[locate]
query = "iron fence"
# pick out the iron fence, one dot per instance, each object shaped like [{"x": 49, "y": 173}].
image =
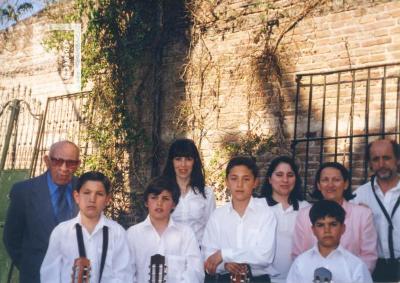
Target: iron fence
[{"x": 338, "y": 113}]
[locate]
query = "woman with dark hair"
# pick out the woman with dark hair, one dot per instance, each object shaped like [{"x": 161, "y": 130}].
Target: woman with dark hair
[
  {"x": 332, "y": 182},
  {"x": 196, "y": 201},
  {"x": 282, "y": 190}
]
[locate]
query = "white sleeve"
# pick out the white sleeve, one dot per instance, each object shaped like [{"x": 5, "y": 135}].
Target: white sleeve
[
  {"x": 210, "y": 204},
  {"x": 50, "y": 271},
  {"x": 264, "y": 251},
  {"x": 194, "y": 271},
  {"x": 293, "y": 275},
  {"x": 210, "y": 243},
  {"x": 361, "y": 274},
  {"x": 122, "y": 264},
  {"x": 131, "y": 242}
]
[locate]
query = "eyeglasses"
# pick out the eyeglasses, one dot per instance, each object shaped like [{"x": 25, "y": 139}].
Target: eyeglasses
[{"x": 68, "y": 163}]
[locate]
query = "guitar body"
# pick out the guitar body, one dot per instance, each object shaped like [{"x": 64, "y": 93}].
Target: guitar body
[
  {"x": 81, "y": 270},
  {"x": 158, "y": 269}
]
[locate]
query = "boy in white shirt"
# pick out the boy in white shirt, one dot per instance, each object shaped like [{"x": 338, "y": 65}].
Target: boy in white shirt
[
  {"x": 327, "y": 218},
  {"x": 240, "y": 236},
  {"x": 104, "y": 240},
  {"x": 159, "y": 234}
]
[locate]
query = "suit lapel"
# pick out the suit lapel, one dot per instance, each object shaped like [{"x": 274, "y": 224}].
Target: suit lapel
[{"x": 41, "y": 199}]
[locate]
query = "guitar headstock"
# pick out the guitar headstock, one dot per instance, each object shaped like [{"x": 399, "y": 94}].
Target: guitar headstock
[
  {"x": 241, "y": 277},
  {"x": 322, "y": 275},
  {"x": 81, "y": 270},
  {"x": 158, "y": 269}
]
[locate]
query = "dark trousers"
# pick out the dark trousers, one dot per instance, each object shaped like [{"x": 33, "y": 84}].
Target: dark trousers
[
  {"x": 387, "y": 270},
  {"x": 225, "y": 278}
]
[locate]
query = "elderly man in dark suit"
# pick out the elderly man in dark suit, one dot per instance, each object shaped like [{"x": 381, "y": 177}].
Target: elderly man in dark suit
[{"x": 37, "y": 206}]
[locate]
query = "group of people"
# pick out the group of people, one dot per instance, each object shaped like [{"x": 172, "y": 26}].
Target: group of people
[{"x": 277, "y": 236}]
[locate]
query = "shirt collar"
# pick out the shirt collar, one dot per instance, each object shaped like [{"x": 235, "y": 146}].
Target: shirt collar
[
  {"x": 98, "y": 226},
  {"x": 250, "y": 206},
  {"x": 315, "y": 250},
  {"x": 345, "y": 205},
  {"x": 53, "y": 186},
  {"x": 378, "y": 188},
  {"x": 171, "y": 223}
]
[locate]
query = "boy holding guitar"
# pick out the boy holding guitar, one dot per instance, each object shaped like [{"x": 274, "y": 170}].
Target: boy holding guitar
[
  {"x": 240, "y": 236},
  {"x": 90, "y": 238},
  {"x": 159, "y": 237}
]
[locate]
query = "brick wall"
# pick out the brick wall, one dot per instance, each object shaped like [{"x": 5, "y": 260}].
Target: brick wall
[
  {"x": 232, "y": 89},
  {"x": 225, "y": 75}
]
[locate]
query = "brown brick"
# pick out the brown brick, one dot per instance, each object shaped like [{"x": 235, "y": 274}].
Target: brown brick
[{"x": 378, "y": 41}]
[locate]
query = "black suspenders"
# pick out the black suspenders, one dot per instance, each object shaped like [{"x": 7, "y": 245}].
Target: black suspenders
[
  {"x": 388, "y": 218},
  {"x": 81, "y": 246}
]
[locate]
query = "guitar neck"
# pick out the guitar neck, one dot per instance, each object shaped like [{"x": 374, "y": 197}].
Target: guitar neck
[{"x": 81, "y": 270}]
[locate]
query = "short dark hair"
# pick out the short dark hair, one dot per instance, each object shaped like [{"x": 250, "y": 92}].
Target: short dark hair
[
  {"x": 324, "y": 208},
  {"x": 295, "y": 195},
  {"x": 160, "y": 184},
  {"x": 395, "y": 147},
  {"x": 94, "y": 176},
  {"x": 347, "y": 194},
  {"x": 247, "y": 161},
  {"x": 186, "y": 148}
]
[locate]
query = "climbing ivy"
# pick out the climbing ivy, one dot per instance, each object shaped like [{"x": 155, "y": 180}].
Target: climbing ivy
[{"x": 117, "y": 36}]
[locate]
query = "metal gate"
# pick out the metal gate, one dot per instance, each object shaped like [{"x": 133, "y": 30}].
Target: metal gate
[
  {"x": 20, "y": 121},
  {"x": 338, "y": 113},
  {"x": 26, "y": 134}
]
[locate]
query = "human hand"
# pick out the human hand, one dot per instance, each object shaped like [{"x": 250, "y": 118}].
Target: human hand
[
  {"x": 235, "y": 268},
  {"x": 212, "y": 262}
]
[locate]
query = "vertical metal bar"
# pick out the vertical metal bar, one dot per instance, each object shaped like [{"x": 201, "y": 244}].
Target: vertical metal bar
[
  {"x": 353, "y": 93},
  {"x": 13, "y": 118},
  {"x": 367, "y": 97},
  {"x": 321, "y": 149},
  {"x": 36, "y": 146},
  {"x": 337, "y": 116},
  {"x": 398, "y": 111},
  {"x": 308, "y": 132},
  {"x": 296, "y": 113},
  {"x": 383, "y": 97},
  {"x": 39, "y": 140}
]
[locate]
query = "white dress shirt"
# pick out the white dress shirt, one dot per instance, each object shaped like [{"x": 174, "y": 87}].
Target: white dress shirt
[
  {"x": 194, "y": 210},
  {"x": 286, "y": 220},
  {"x": 177, "y": 243},
  {"x": 345, "y": 267},
  {"x": 63, "y": 250},
  {"x": 248, "y": 239},
  {"x": 365, "y": 195}
]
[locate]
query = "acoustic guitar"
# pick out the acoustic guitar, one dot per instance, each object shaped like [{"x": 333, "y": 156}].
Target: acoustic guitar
[
  {"x": 81, "y": 270},
  {"x": 158, "y": 269}
]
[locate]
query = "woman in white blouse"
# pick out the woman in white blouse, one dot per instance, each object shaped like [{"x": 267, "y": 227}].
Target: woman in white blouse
[
  {"x": 196, "y": 201},
  {"x": 282, "y": 191}
]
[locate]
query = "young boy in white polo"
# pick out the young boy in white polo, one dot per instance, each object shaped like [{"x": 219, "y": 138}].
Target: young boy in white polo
[{"x": 327, "y": 218}]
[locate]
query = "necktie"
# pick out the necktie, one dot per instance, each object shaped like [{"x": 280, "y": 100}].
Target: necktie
[{"x": 64, "y": 212}]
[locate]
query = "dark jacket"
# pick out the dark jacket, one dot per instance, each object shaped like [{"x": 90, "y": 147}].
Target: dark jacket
[{"x": 29, "y": 223}]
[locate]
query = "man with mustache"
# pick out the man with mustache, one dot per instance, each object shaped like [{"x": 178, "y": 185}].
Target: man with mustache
[{"x": 382, "y": 195}]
